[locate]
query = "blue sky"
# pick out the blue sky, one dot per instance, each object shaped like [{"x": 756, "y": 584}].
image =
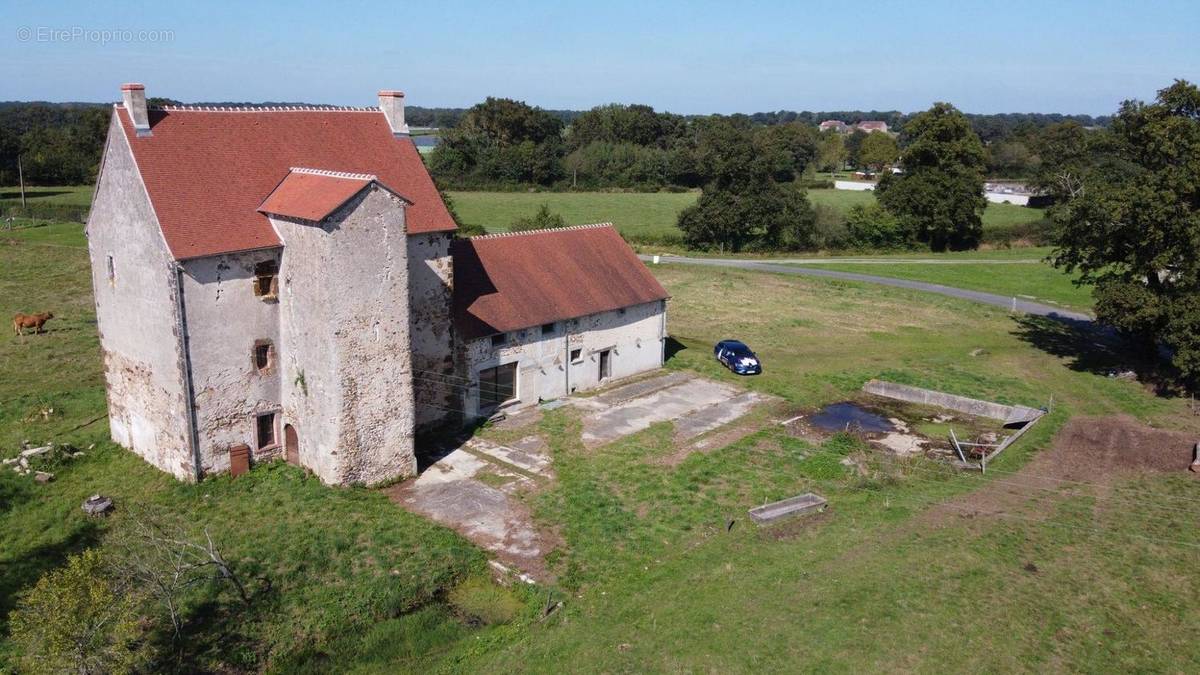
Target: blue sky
[{"x": 687, "y": 57}]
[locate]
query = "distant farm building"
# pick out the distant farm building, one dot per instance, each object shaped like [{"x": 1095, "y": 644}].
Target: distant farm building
[{"x": 871, "y": 126}]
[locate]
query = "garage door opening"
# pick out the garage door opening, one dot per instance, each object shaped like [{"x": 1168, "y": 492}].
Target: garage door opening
[{"x": 497, "y": 386}]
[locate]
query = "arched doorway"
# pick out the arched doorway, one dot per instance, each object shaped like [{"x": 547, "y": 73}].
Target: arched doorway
[{"x": 291, "y": 445}]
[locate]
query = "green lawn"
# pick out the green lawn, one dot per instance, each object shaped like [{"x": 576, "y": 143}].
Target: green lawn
[
  {"x": 652, "y": 574},
  {"x": 654, "y": 214},
  {"x": 634, "y": 213},
  {"x": 342, "y": 577},
  {"x": 1032, "y": 281},
  {"x": 662, "y": 583},
  {"x": 71, "y": 195}
]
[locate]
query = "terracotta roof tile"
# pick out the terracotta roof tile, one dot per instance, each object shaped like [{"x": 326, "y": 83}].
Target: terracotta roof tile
[
  {"x": 207, "y": 170},
  {"x": 312, "y": 194},
  {"x": 508, "y": 282}
]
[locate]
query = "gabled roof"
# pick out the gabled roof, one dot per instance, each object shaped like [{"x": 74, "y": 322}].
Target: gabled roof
[
  {"x": 312, "y": 194},
  {"x": 207, "y": 170},
  {"x": 506, "y": 282}
]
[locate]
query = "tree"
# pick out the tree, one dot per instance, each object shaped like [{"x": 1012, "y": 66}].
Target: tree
[
  {"x": 878, "y": 150},
  {"x": 939, "y": 196},
  {"x": 158, "y": 557},
  {"x": 853, "y": 145},
  {"x": 788, "y": 148},
  {"x": 740, "y": 205},
  {"x": 1130, "y": 221},
  {"x": 543, "y": 219},
  {"x": 79, "y": 618},
  {"x": 831, "y": 153}
]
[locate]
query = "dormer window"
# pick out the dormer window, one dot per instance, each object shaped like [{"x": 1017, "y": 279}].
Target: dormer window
[{"x": 266, "y": 280}]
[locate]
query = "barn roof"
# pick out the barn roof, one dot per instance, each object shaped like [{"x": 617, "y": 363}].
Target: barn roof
[
  {"x": 208, "y": 170},
  {"x": 312, "y": 194},
  {"x": 506, "y": 282}
]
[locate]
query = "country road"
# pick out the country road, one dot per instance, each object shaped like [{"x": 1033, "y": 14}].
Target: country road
[{"x": 781, "y": 267}]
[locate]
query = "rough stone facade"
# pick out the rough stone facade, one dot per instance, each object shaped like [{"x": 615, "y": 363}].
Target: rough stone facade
[
  {"x": 225, "y": 320},
  {"x": 138, "y": 318},
  {"x": 431, "y": 286},
  {"x": 344, "y": 341},
  {"x": 633, "y": 337}
]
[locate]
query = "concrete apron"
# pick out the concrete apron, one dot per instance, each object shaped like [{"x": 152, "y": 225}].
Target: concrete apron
[{"x": 449, "y": 492}]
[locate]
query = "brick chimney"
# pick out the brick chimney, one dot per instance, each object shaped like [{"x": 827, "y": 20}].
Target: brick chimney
[
  {"x": 134, "y": 97},
  {"x": 392, "y": 104}
]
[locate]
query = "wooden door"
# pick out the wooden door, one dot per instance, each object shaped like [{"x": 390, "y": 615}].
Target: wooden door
[{"x": 291, "y": 445}]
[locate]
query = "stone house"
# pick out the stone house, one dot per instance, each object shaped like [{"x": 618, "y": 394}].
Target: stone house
[{"x": 279, "y": 281}]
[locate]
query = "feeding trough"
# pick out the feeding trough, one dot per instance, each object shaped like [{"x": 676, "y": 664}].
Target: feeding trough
[{"x": 792, "y": 506}]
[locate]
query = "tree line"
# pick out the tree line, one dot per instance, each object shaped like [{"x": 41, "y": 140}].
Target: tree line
[{"x": 613, "y": 146}]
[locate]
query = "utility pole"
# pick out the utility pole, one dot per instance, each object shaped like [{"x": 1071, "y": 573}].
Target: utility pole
[{"x": 21, "y": 180}]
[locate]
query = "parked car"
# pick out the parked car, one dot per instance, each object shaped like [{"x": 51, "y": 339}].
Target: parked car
[{"x": 736, "y": 356}]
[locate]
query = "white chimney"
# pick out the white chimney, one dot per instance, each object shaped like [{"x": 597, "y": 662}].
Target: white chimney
[
  {"x": 134, "y": 97},
  {"x": 392, "y": 104}
]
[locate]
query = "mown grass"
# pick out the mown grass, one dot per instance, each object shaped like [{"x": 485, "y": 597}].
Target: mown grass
[
  {"x": 662, "y": 582},
  {"x": 639, "y": 214},
  {"x": 71, "y": 195},
  {"x": 655, "y": 578},
  {"x": 1035, "y": 281},
  {"x": 342, "y": 578}
]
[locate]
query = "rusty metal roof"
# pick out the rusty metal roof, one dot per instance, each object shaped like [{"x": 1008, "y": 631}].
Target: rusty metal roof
[
  {"x": 207, "y": 170},
  {"x": 506, "y": 282}
]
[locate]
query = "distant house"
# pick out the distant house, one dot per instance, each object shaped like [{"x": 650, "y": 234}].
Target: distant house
[
  {"x": 871, "y": 126},
  {"x": 837, "y": 125}
]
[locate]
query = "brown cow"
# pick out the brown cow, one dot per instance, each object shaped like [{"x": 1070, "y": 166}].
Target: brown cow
[{"x": 34, "y": 321}]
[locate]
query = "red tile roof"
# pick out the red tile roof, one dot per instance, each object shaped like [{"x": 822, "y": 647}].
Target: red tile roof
[
  {"x": 312, "y": 194},
  {"x": 207, "y": 170},
  {"x": 506, "y": 282}
]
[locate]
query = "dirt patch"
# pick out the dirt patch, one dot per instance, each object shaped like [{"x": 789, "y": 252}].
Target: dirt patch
[{"x": 1086, "y": 456}]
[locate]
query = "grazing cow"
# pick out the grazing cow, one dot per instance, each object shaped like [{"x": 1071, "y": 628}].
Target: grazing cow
[{"x": 34, "y": 321}]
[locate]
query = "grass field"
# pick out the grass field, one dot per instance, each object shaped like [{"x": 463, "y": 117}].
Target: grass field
[
  {"x": 652, "y": 575},
  {"x": 353, "y": 579},
  {"x": 1034, "y": 280},
  {"x": 71, "y": 195},
  {"x": 654, "y": 214}
]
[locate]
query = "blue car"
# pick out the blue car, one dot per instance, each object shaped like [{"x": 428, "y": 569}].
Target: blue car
[{"x": 736, "y": 356}]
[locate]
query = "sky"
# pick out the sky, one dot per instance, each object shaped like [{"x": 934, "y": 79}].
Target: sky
[{"x": 687, "y": 57}]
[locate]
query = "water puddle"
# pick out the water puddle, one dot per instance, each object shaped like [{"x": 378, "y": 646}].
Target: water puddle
[{"x": 850, "y": 416}]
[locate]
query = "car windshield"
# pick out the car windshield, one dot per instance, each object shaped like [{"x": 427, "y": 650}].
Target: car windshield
[{"x": 739, "y": 349}]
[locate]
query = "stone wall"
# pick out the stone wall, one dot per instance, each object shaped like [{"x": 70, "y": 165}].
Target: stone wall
[
  {"x": 545, "y": 370},
  {"x": 346, "y": 379},
  {"x": 431, "y": 283},
  {"x": 137, "y": 316},
  {"x": 225, "y": 319}
]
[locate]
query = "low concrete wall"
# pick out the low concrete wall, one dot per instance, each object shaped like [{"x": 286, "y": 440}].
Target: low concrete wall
[
  {"x": 852, "y": 185},
  {"x": 1002, "y": 197},
  {"x": 970, "y": 406}
]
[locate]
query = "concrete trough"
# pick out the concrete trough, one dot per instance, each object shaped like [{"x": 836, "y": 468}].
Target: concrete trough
[{"x": 793, "y": 506}]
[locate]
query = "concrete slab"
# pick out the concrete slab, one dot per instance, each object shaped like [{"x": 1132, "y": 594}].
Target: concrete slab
[
  {"x": 450, "y": 492},
  {"x": 528, "y": 454},
  {"x": 665, "y": 404},
  {"x": 706, "y": 419},
  {"x": 641, "y": 388}
]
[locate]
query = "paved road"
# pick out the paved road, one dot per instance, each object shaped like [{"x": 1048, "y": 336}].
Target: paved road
[{"x": 1004, "y": 301}]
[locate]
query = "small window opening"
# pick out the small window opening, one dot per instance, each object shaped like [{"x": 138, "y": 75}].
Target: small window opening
[
  {"x": 266, "y": 280},
  {"x": 621, "y": 312},
  {"x": 266, "y": 430},
  {"x": 548, "y": 328},
  {"x": 499, "y": 339},
  {"x": 112, "y": 271},
  {"x": 264, "y": 355},
  {"x": 576, "y": 355}
]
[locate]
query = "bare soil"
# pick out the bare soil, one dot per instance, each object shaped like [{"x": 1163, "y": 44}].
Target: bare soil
[{"x": 1087, "y": 455}]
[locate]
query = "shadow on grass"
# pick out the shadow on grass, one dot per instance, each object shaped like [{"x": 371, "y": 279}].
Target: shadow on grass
[
  {"x": 1092, "y": 348},
  {"x": 673, "y": 347},
  {"x": 21, "y": 573}
]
